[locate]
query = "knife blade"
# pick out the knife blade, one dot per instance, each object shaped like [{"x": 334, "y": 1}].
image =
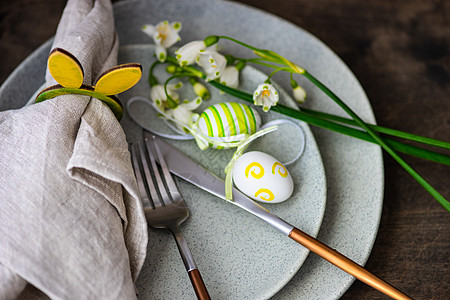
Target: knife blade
[{"x": 188, "y": 169}]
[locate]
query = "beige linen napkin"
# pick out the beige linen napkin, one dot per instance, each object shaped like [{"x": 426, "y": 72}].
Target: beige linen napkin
[{"x": 71, "y": 223}]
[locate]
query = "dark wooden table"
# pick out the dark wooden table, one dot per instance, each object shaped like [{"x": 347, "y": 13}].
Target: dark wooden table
[{"x": 400, "y": 52}]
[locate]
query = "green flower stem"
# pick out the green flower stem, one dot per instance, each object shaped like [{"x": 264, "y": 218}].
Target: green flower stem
[
  {"x": 194, "y": 72},
  {"x": 311, "y": 119},
  {"x": 278, "y": 70},
  {"x": 379, "y": 140},
  {"x": 381, "y": 129},
  {"x": 322, "y": 122},
  {"x": 357, "y": 133},
  {"x": 172, "y": 60},
  {"x": 259, "y": 61},
  {"x": 151, "y": 78},
  {"x": 239, "y": 42},
  {"x": 170, "y": 101},
  {"x": 187, "y": 70}
]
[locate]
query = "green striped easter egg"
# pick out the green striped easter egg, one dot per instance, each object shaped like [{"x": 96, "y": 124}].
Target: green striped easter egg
[{"x": 228, "y": 119}]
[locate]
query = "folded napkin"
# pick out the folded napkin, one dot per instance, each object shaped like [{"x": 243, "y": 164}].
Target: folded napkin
[{"x": 71, "y": 224}]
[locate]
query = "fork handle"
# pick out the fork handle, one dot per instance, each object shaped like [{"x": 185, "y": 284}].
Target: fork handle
[
  {"x": 345, "y": 264},
  {"x": 189, "y": 263},
  {"x": 198, "y": 284}
]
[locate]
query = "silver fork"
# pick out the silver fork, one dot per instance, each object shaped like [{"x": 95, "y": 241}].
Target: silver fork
[{"x": 163, "y": 205}]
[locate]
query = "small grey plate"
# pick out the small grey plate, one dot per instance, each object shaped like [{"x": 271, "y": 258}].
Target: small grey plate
[{"x": 239, "y": 256}]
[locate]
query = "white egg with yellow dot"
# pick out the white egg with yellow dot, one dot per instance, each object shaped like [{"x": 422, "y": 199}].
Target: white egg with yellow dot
[{"x": 262, "y": 177}]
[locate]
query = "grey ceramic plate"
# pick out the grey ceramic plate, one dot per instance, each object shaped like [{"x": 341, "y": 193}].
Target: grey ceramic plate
[
  {"x": 239, "y": 256},
  {"x": 354, "y": 169}
]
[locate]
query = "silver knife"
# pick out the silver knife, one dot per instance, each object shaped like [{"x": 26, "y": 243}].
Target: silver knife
[{"x": 191, "y": 171}]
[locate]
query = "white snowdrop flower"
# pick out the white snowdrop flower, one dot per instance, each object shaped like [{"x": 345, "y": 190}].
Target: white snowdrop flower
[
  {"x": 213, "y": 64},
  {"x": 266, "y": 96},
  {"x": 189, "y": 53},
  {"x": 164, "y": 35},
  {"x": 183, "y": 112},
  {"x": 159, "y": 97}
]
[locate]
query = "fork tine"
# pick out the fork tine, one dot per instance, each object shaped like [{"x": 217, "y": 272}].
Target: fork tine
[
  {"x": 148, "y": 177},
  {"x": 138, "y": 174},
  {"x": 176, "y": 196},
  {"x": 160, "y": 184}
]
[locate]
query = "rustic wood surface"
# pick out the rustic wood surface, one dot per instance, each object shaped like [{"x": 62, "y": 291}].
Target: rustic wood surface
[{"x": 400, "y": 52}]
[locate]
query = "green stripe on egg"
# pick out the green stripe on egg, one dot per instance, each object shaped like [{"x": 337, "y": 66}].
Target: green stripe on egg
[
  {"x": 231, "y": 124},
  {"x": 218, "y": 119},
  {"x": 251, "y": 118},
  {"x": 240, "y": 116}
]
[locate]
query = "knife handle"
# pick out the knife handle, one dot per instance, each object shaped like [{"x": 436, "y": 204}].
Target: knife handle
[
  {"x": 198, "y": 284},
  {"x": 345, "y": 263}
]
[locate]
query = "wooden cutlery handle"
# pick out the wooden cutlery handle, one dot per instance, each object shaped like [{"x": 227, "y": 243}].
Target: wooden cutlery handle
[
  {"x": 198, "y": 284},
  {"x": 345, "y": 264}
]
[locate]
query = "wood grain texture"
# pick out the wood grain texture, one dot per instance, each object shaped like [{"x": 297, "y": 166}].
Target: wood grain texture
[{"x": 400, "y": 52}]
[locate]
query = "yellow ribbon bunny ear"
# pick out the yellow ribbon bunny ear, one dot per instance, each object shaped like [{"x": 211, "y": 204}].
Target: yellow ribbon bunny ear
[
  {"x": 65, "y": 68},
  {"x": 118, "y": 79}
]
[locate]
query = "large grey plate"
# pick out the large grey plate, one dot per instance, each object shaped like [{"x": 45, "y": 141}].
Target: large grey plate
[{"x": 354, "y": 169}]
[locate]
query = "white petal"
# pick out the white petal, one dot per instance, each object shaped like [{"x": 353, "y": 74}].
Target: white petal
[
  {"x": 171, "y": 39},
  {"x": 191, "y": 105},
  {"x": 176, "y": 26},
  {"x": 181, "y": 115},
  {"x": 157, "y": 38},
  {"x": 148, "y": 29},
  {"x": 188, "y": 53},
  {"x": 158, "y": 96},
  {"x": 230, "y": 77},
  {"x": 157, "y": 93},
  {"x": 161, "y": 53}
]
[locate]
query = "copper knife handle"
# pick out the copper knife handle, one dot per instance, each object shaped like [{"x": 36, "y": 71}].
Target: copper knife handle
[
  {"x": 345, "y": 264},
  {"x": 198, "y": 284}
]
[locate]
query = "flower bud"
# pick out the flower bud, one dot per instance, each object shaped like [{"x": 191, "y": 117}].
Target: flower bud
[
  {"x": 171, "y": 69},
  {"x": 299, "y": 94},
  {"x": 211, "y": 40},
  {"x": 201, "y": 90}
]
